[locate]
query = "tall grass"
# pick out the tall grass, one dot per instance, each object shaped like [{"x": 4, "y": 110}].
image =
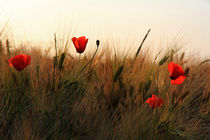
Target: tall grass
[{"x": 53, "y": 99}]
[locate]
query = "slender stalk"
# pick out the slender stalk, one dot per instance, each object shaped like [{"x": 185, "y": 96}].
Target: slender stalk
[
  {"x": 55, "y": 63},
  {"x": 8, "y": 47},
  {"x": 78, "y": 62},
  {"x": 1, "y": 47},
  {"x": 138, "y": 51},
  {"x": 157, "y": 79},
  {"x": 55, "y": 45},
  {"x": 92, "y": 59},
  {"x": 90, "y": 62}
]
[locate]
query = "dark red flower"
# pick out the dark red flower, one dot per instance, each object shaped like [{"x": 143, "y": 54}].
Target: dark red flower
[
  {"x": 177, "y": 74},
  {"x": 19, "y": 62},
  {"x": 154, "y": 101},
  {"x": 80, "y": 43}
]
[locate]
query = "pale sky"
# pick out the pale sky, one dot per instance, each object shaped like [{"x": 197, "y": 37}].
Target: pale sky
[{"x": 124, "y": 21}]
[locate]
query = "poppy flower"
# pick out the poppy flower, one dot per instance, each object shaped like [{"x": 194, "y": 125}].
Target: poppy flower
[
  {"x": 154, "y": 101},
  {"x": 80, "y": 43},
  {"x": 177, "y": 74},
  {"x": 19, "y": 62}
]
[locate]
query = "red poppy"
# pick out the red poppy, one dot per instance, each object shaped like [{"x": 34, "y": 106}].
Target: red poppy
[
  {"x": 80, "y": 43},
  {"x": 19, "y": 62},
  {"x": 177, "y": 74},
  {"x": 154, "y": 101}
]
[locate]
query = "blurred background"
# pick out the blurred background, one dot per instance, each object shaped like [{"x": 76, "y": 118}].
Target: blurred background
[{"x": 124, "y": 22}]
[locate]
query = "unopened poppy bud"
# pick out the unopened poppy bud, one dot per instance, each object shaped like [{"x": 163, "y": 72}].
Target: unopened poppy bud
[{"x": 97, "y": 42}]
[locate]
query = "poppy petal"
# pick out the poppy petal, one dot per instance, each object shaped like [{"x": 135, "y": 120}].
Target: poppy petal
[
  {"x": 10, "y": 62},
  {"x": 172, "y": 67},
  {"x": 178, "y": 69},
  {"x": 148, "y": 100},
  {"x": 154, "y": 101},
  {"x": 160, "y": 101},
  {"x": 179, "y": 80},
  {"x": 19, "y": 62},
  {"x": 154, "y": 96},
  {"x": 177, "y": 74},
  {"x": 28, "y": 60},
  {"x": 80, "y": 43},
  {"x": 74, "y": 39}
]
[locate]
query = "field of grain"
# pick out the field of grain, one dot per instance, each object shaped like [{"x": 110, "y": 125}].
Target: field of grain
[{"x": 102, "y": 96}]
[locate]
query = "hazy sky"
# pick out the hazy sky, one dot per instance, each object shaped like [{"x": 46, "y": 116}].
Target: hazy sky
[{"x": 123, "y": 20}]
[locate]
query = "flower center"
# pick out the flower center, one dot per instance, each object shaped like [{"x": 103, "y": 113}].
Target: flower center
[{"x": 172, "y": 77}]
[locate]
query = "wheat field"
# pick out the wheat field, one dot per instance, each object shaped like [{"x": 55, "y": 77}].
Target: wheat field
[{"x": 102, "y": 96}]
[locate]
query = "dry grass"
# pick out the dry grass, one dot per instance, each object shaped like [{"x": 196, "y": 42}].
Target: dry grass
[{"x": 105, "y": 101}]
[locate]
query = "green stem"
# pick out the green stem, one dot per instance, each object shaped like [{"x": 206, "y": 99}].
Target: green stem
[
  {"x": 90, "y": 62},
  {"x": 92, "y": 59},
  {"x": 78, "y": 62}
]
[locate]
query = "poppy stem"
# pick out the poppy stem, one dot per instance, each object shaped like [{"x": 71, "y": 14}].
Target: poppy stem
[
  {"x": 155, "y": 122},
  {"x": 92, "y": 59},
  {"x": 78, "y": 62},
  {"x": 37, "y": 73},
  {"x": 90, "y": 62},
  {"x": 79, "y": 57}
]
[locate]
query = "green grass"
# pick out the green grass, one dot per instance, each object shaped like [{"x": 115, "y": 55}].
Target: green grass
[{"x": 102, "y": 98}]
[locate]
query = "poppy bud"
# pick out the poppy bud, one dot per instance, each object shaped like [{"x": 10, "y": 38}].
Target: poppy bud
[{"x": 97, "y": 43}]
